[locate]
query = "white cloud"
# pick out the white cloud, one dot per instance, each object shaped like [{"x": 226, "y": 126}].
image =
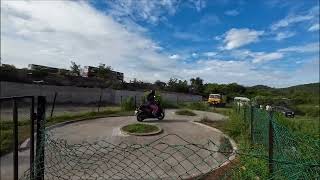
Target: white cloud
[
  {"x": 307, "y": 48},
  {"x": 32, "y": 33},
  {"x": 145, "y": 10},
  {"x": 151, "y": 11},
  {"x": 210, "y": 54},
  {"x": 290, "y": 20},
  {"x": 265, "y": 57},
  {"x": 198, "y": 4},
  {"x": 314, "y": 27},
  {"x": 232, "y": 12},
  {"x": 235, "y": 38},
  {"x": 223, "y": 71},
  {"x": 256, "y": 57},
  {"x": 175, "y": 56},
  {"x": 194, "y": 55},
  {"x": 284, "y": 35},
  {"x": 78, "y": 32},
  {"x": 312, "y": 14}
]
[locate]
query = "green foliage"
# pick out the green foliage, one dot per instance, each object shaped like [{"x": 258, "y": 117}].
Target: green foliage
[
  {"x": 128, "y": 104},
  {"x": 140, "y": 128},
  {"x": 103, "y": 71},
  {"x": 310, "y": 110},
  {"x": 40, "y": 73},
  {"x": 64, "y": 72},
  {"x": 185, "y": 112},
  {"x": 160, "y": 85},
  {"x": 8, "y": 68},
  {"x": 196, "y": 85},
  {"x": 301, "y": 124},
  {"x": 177, "y": 85},
  {"x": 75, "y": 68}
]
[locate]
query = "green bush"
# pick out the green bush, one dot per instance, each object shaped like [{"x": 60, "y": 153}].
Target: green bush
[{"x": 128, "y": 104}]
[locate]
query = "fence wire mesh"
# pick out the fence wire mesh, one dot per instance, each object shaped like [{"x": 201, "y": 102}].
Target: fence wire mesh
[
  {"x": 104, "y": 160},
  {"x": 293, "y": 155}
]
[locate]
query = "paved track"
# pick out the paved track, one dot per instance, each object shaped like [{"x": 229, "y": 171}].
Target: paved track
[{"x": 108, "y": 130}]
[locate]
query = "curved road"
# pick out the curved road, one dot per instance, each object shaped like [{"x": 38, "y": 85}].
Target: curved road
[{"x": 176, "y": 130}]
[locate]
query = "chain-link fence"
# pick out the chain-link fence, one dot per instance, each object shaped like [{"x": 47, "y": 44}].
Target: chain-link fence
[
  {"x": 104, "y": 160},
  {"x": 290, "y": 155}
]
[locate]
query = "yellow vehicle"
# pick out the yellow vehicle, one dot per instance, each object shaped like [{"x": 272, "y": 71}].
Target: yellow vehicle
[{"x": 217, "y": 100}]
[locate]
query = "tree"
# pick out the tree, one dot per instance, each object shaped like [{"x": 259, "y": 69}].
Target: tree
[
  {"x": 159, "y": 84},
  {"x": 8, "y": 68},
  {"x": 104, "y": 71},
  {"x": 75, "y": 68},
  {"x": 197, "y": 85},
  {"x": 177, "y": 85}
]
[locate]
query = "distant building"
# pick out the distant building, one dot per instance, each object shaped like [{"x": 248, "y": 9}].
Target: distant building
[
  {"x": 51, "y": 70},
  {"x": 48, "y": 69},
  {"x": 91, "y": 71}
]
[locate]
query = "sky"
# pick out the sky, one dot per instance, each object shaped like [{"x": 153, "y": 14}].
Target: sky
[{"x": 250, "y": 42}]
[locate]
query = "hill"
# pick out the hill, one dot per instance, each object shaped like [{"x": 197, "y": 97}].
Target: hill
[{"x": 312, "y": 88}]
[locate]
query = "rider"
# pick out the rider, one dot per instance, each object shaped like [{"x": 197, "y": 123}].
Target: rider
[{"x": 151, "y": 102}]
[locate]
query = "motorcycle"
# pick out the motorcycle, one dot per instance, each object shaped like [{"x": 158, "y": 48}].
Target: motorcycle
[{"x": 144, "y": 112}]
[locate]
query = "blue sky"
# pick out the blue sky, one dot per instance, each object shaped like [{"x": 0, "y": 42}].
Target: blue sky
[{"x": 274, "y": 42}]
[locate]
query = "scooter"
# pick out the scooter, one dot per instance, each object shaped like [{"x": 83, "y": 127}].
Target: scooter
[{"x": 144, "y": 112}]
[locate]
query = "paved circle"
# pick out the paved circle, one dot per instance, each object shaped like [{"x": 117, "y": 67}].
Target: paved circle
[{"x": 109, "y": 129}]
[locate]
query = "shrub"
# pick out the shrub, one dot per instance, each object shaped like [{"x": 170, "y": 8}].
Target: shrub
[{"x": 128, "y": 104}]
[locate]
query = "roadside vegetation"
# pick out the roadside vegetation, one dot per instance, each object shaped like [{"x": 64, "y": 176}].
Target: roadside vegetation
[
  {"x": 243, "y": 167},
  {"x": 185, "y": 112}
]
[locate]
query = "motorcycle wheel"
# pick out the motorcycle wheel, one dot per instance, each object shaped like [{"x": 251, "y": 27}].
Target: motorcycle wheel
[
  {"x": 161, "y": 116},
  {"x": 140, "y": 117}
]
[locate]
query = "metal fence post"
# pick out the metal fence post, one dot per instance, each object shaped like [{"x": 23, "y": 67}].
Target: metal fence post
[
  {"x": 15, "y": 140},
  {"x": 99, "y": 103},
  {"x": 120, "y": 100},
  {"x": 54, "y": 102},
  {"x": 270, "y": 145},
  {"x": 41, "y": 109},
  {"x": 32, "y": 118},
  {"x": 244, "y": 115},
  {"x": 251, "y": 123},
  {"x": 135, "y": 101}
]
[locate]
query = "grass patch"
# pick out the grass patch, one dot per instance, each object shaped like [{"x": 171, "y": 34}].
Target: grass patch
[
  {"x": 185, "y": 112},
  {"x": 201, "y": 106},
  {"x": 6, "y": 127},
  {"x": 222, "y": 110},
  {"x": 246, "y": 167},
  {"x": 303, "y": 125},
  {"x": 140, "y": 128}
]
